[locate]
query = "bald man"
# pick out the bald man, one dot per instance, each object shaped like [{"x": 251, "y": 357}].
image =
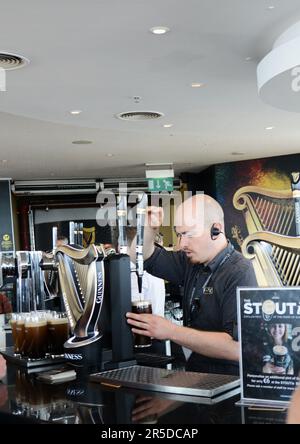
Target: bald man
[{"x": 210, "y": 270}]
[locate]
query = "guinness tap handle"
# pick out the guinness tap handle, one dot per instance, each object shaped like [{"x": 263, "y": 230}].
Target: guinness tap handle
[
  {"x": 140, "y": 228},
  {"x": 122, "y": 223},
  {"x": 296, "y": 197}
]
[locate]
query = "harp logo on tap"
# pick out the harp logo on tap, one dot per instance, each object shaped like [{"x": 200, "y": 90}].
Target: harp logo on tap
[{"x": 89, "y": 236}]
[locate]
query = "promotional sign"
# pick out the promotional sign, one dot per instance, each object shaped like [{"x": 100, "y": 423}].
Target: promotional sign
[
  {"x": 263, "y": 415},
  {"x": 269, "y": 335},
  {"x": 6, "y": 223}
]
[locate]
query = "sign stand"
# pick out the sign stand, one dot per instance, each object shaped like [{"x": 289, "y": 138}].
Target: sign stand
[{"x": 269, "y": 337}]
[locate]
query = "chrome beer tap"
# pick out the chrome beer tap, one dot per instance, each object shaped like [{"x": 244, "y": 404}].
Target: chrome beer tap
[
  {"x": 296, "y": 196},
  {"x": 140, "y": 228},
  {"x": 122, "y": 223}
]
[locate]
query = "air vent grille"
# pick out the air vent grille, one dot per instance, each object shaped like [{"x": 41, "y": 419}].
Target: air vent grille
[
  {"x": 139, "y": 115},
  {"x": 55, "y": 187},
  {"x": 12, "y": 61}
]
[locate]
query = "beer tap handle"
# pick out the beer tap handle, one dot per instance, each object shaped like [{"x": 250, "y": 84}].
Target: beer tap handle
[
  {"x": 122, "y": 222},
  {"x": 295, "y": 181},
  {"x": 140, "y": 228},
  {"x": 54, "y": 237},
  {"x": 71, "y": 233},
  {"x": 296, "y": 196}
]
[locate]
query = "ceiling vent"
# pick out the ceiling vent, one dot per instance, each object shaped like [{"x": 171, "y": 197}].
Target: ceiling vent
[
  {"x": 12, "y": 61},
  {"x": 139, "y": 115},
  {"x": 51, "y": 187}
]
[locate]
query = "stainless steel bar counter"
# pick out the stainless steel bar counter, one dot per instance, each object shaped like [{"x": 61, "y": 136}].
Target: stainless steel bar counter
[{"x": 25, "y": 399}]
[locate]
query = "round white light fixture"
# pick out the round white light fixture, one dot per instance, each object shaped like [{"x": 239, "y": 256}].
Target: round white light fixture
[
  {"x": 269, "y": 128},
  {"x": 278, "y": 74},
  {"x": 109, "y": 155},
  {"x": 75, "y": 112},
  {"x": 197, "y": 84},
  {"x": 168, "y": 125},
  {"x": 159, "y": 30}
]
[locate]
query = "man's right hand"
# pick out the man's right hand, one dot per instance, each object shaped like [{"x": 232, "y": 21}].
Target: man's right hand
[{"x": 155, "y": 217}]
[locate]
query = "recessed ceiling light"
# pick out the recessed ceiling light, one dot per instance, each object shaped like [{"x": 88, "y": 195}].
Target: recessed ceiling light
[
  {"x": 248, "y": 59},
  {"x": 134, "y": 116},
  {"x": 109, "y": 155},
  {"x": 269, "y": 128},
  {"x": 168, "y": 125},
  {"x": 159, "y": 30},
  {"x": 82, "y": 142},
  {"x": 75, "y": 112},
  {"x": 197, "y": 85},
  {"x": 271, "y": 7}
]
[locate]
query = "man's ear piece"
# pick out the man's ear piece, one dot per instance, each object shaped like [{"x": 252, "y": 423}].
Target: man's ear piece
[{"x": 214, "y": 231}]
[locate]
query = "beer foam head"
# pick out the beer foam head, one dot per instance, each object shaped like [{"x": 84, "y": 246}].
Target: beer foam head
[
  {"x": 58, "y": 321},
  {"x": 31, "y": 323},
  {"x": 141, "y": 304},
  {"x": 268, "y": 307},
  {"x": 280, "y": 350}
]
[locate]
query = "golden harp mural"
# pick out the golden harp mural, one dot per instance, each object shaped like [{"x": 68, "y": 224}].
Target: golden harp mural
[{"x": 273, "y": 222}]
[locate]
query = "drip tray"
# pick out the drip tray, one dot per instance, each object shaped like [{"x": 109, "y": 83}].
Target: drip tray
[
  {"x": 168, "y": 381},
  {"x": 9, "y": 355}
]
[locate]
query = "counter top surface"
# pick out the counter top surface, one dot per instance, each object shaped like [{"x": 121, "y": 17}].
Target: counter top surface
[{"x": 25, "y": 399}]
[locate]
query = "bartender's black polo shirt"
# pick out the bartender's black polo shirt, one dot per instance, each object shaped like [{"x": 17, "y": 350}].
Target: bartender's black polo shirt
[{"x": 212, "y": 308}]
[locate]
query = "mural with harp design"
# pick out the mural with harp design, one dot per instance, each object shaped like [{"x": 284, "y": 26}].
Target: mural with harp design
[
  {"x": 264, "y": 215},
  {"x": 272, "y": 218}
]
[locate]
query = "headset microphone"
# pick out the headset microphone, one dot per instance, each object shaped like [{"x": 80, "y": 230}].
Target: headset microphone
[{"x": 214, "y": 232}]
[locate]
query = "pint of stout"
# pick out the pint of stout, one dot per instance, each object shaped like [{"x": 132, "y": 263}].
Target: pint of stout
[
  {"x": 17, "y": 324},
  {"x": 19, "y": 335},
  {"x": 139, "y": 307},
  {"x": 13, "y": 324},
  {"x": 35, "y": 338},
  {"x": 280, "y": 353},
  {"x": 58, "y": 334}
]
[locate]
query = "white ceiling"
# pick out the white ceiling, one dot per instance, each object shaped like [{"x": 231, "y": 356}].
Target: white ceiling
[{"x": 96, "y": 55}]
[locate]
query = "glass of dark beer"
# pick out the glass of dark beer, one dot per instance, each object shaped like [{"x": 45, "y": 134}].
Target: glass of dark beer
[
  {"x": 58, "y": 333},
  {"x": 13, "y": 325},
  {"x": 20, "y": 333},
  {"x": 139, "y": 307},
  {"x": 35, "y": 337}
]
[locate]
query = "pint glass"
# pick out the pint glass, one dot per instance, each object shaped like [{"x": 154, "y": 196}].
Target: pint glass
[{"x": 139, "y": 307}]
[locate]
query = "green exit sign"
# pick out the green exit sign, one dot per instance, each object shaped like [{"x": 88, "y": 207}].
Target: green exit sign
[{"x": 161, "y": 184}]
